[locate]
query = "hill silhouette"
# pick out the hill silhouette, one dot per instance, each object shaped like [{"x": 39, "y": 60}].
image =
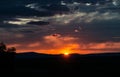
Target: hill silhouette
[
  {"x": 7, "y": 62},
  {"x": 74, "y": 64},
  {"x": 42, "y": 55}
]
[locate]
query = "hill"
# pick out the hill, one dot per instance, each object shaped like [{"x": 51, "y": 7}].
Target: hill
[{"x": 74, "y": 64}]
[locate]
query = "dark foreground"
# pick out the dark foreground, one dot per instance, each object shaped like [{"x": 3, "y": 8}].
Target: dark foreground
[
  {"x": 7, "y": 63},
  {"x": 59, "y": 65}
]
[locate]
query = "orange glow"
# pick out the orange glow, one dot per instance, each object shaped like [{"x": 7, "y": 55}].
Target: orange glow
[
  {"x": 66, "y": 53},
  {"x": 66, "y": 45}
]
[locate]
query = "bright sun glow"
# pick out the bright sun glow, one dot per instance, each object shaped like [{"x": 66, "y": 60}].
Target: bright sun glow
[{"x": 66, "y": 53}]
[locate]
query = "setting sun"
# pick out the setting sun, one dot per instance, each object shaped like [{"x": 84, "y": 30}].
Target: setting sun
[{"x": 66, "y": 53}]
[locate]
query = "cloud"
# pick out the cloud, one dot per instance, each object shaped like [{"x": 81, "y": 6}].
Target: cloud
[
  {"x": 20, "y": 21},
  {"x": 58, "y": 40},
  {"x": 60, "y": 44},
  {"x": 98, "y": 27},
  {"x": 81, "y": 17},
  {"x": 35, "y": 6},
  {"x": 50, "y": 44},
  {"x": 116, "y": 2},
  {"x": 106, "y": 47},
  {"x": 34, "y": 45},
  {"x": 38, "y": 23},
  {"x": 84, "y": 26}
]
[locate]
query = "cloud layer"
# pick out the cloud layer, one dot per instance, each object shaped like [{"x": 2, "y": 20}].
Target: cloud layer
[{"x": 75, "y": 27}]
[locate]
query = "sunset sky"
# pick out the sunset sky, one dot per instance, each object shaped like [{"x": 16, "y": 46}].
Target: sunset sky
[{"x": 61, "y": 26}]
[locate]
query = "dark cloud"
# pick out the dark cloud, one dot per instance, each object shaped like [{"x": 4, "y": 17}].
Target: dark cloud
[
  {"x": 16, "y": 8},
  {"x": 38, "y": 23},
  {"x": 23, "y": 11},
  {"x": 102, "y": 31}
]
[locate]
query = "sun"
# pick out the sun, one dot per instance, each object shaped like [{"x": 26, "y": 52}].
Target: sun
[{"x": 66, "y": 53}]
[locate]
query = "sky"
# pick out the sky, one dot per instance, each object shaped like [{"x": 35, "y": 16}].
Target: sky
[{"x": 60, "y": 26}]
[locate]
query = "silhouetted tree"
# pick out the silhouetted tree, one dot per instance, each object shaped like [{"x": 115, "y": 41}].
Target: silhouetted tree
[
  {"x": 6, "y": 52},
  {"x": 11, "y": 50},
  {"x": 7, "y": 56},
  {"x": 2, "y": 47}
]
